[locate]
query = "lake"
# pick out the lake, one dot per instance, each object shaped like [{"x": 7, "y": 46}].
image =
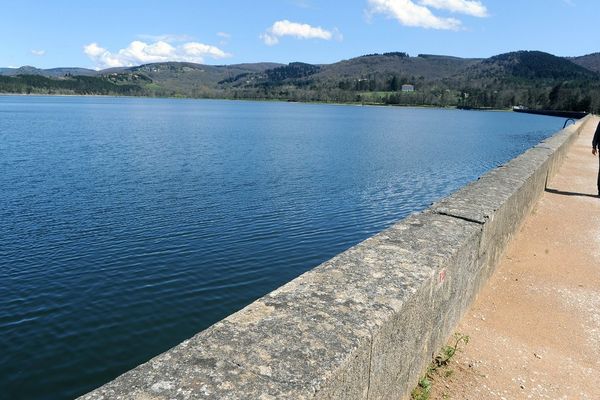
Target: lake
[{"x": 130, "y": 224}]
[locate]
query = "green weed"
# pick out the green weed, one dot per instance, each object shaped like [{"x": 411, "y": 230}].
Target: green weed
[{"x": 441, "y": 361}]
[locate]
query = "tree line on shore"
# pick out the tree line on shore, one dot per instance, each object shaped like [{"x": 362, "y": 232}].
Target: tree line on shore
[{"x": 532, "y": 79}]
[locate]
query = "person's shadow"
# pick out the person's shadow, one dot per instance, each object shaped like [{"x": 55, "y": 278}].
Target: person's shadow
[{"x": 563, "y": 193}]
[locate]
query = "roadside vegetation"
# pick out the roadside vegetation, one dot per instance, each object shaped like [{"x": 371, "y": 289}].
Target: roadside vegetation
[{"x": 439, "y": 367}]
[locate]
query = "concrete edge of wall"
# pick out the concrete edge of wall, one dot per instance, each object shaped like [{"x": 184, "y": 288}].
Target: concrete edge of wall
[{"x": 364, "y": 324}]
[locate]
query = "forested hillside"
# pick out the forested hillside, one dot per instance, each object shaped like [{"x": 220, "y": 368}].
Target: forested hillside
[
  {"x": 589, "y": 61},
  {"x": 528, "y": 78}
]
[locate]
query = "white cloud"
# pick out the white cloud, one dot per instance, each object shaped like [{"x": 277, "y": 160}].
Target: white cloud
[
  {"x": 200, "y": 50},
  {"x": 38, "y": 53},
  {"x": 139, "y": 52},
  {"x": 409, "y": 13},
  {"x": 469, "y": 7},
  {"x": 299, "y": 31}
]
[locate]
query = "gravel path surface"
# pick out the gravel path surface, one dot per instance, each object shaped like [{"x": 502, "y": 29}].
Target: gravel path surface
[{"x": 535, "y": 328}]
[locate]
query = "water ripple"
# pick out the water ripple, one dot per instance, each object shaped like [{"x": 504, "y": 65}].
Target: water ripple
[{"x": 129, "y": 225}]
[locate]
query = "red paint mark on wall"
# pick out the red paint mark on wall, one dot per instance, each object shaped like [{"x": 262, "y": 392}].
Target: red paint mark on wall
[{"x": 442, "y": 276}]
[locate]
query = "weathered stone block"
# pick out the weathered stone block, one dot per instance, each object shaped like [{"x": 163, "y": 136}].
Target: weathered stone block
[
  {"x": 364, "y": 324},
  {"x": 446, "y": 249}
]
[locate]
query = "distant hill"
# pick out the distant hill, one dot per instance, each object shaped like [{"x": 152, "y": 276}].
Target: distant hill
[
  {"x": 589, "y": 61},
  {"x": 531, "y": 78},
  {"x": 80, "y": 84},
  {"x": 167, "y": 68},
  {"x": 185, "y": 79},
  {"x": 427, "y": 66},
  {"x": 50, "y": 73},
  {"x": 533, "y": 65}
]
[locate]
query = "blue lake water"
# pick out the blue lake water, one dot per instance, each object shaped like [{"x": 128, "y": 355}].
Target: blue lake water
[{"x": 128, "y": 225}]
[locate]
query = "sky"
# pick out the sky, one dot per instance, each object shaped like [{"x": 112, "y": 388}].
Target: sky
[{"x": 108, "y": 33}]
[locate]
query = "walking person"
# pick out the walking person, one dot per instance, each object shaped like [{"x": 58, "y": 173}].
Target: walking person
[{"x": 595, "y": 148}]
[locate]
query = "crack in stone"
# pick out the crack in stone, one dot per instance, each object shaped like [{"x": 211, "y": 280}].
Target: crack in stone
[
  {"x": 543, "y": 147},
  {"x": 460, "y": 217}
]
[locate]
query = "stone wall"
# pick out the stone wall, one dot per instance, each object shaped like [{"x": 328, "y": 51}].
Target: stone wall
[{"x": 366, "y": 323}]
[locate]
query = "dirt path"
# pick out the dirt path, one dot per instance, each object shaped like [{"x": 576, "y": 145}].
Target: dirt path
[{"x": 535, "y": 328}]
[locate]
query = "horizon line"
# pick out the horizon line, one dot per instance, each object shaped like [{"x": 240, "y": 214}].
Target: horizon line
[{"x": 282, "y": 63}]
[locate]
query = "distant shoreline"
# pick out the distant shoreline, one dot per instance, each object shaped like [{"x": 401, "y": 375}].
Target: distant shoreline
[
  {"x": 355, "y": 104},
  {"x": 532, "y": 79}
]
